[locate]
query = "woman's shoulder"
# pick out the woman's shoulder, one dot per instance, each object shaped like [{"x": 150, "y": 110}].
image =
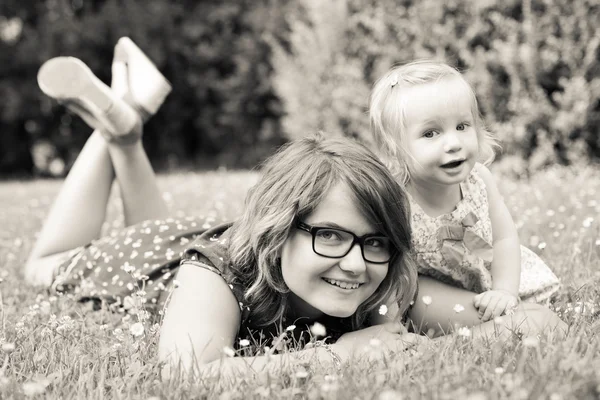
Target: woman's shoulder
[
  {"x": 210, "y": 246},
  {"x": 209, "y": 251}
]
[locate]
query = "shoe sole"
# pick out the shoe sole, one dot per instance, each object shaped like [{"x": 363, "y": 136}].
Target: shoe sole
[
  {"x": 68, "y": 78},
  {"x": 71, "y": 82}
]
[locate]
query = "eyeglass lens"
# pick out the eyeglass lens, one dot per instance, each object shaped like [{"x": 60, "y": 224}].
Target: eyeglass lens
[{"x": 330, "y": 242}]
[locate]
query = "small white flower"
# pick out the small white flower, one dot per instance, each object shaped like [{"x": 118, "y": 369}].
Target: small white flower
[
  {"x": 8, "y": 347},
  {"x": 499, "y": 370},
  {"x": 498, "y": 320},
  {"x": 383, "y": 309},
  {"x": 137, "y": 329},
  {"x": 228, "y": 351},
  {"x": 45, "y": 308},
  {"x": 318, "y": 330},
  {"x": 290, "y": 328},
  {"x": 426, "y": 300},
  {"x": 128, "y": 268},
  {"x": 531, "y": 341},
  {"x": 464, "y": 332},
  {"x": 458, "y": 308},
  {"x": 33, "y": 388},
  {"x": 301, "y": 374},
  {"x": 390, "y": 394},
  {"x": 244, "y": 342}
]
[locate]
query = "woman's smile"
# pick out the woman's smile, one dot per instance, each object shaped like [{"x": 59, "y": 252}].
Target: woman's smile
[{"x": 343, "y": 284}]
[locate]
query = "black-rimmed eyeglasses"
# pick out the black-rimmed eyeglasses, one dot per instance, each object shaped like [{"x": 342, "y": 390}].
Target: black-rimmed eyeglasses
[{"x": 337, "y": 243}]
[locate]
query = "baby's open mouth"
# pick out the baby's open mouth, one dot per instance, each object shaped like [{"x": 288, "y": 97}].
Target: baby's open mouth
[{"x": 453, "y": 164}]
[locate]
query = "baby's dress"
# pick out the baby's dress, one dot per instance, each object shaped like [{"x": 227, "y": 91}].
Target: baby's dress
[{"x": 456, "y": 248}]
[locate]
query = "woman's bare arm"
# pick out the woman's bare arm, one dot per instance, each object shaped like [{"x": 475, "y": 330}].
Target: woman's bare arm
[{"x": 203, "y": 318}]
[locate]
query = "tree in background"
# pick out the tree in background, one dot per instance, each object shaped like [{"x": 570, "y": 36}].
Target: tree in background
[
  {"x": 320, "y": 87},
  {"x": 223, "y": 110},
  {"x": 534, "y": 64},
  {"x": 248, "y": 75}
]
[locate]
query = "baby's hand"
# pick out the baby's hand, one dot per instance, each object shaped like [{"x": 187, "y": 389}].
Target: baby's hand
[{"x": 494, "y": 303}]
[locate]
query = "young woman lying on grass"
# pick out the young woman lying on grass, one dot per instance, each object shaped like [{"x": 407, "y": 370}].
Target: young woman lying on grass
[{"x": 321, "y": 243}]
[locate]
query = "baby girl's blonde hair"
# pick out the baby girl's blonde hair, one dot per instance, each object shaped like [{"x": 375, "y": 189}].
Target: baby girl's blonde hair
[{"x": 387, "y": 113}]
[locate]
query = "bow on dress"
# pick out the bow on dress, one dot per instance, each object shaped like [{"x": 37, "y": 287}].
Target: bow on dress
[{"x": 453, "y": 250}]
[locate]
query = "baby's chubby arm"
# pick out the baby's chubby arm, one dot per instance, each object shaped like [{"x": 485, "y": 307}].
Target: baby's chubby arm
[{"x": 506, "y": 264}]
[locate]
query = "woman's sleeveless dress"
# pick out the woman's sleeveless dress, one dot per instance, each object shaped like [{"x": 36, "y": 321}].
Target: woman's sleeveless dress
[
  {"x": 456, "y": 248},
  {"x": 136, "y": 269}
]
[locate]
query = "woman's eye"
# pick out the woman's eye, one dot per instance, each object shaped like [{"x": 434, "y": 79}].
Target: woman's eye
[
  {"x": 328, "y": 235},
  {"x": 376, "y": 243},
  {"x": 373, "y": 243}
]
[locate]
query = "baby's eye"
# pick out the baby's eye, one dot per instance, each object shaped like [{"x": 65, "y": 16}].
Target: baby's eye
[
  {"x": 429, "y": 134},
  {"x": 462, "y": 126}
]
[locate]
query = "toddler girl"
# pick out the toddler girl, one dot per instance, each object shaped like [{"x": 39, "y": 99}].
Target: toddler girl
[{"x": 427, "y": 126}]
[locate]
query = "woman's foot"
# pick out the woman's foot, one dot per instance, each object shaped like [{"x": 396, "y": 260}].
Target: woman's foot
[
  {"x": 73, "y": 84},
  {"x": 137, "y": 80}
]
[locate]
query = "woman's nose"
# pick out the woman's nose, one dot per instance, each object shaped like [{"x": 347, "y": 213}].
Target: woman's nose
[{"x": 353, "y": 262}]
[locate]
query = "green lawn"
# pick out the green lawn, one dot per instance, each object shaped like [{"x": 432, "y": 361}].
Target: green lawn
[{"x": 57, "y": 349}]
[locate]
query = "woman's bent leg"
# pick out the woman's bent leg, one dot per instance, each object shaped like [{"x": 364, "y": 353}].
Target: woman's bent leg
[
  {"x": 77, "y": 215},
  {"x": 142, "y": 199}
]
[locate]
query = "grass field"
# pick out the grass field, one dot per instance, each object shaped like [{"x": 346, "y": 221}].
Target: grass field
[{"x": 52, "y": 348}]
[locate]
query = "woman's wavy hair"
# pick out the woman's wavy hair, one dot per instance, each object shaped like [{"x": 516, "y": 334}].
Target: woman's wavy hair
[
  {"x": 293, "y": 183},
  {"x": 387, "y": 112}
]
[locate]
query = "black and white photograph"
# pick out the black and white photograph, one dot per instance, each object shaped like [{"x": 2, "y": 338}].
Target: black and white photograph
[{"x": 300, "y": 199}]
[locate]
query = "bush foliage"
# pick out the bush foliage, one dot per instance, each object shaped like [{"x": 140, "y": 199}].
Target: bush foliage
[{"x": 248, "y": 75}]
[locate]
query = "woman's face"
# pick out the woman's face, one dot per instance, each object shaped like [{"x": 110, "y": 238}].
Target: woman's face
[{"x": 333, "y": 286}]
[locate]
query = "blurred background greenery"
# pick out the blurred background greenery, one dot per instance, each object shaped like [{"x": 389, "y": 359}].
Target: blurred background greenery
[{"x": 248, "y": 75}]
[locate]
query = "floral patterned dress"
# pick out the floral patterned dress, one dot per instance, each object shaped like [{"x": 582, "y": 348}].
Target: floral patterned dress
[
  {"x": 135, "y": 270},
  {"x": 456, "y": 248}
]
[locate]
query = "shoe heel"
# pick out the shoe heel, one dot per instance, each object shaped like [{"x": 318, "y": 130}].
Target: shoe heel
[
  {"x": 71, "y": 82},
  {"x": 147, "y": 86}
]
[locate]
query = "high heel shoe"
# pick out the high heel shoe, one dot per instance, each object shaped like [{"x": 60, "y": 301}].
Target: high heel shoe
[
  {"x": 72, "y": 83},
  {"x": 137, "y": 80}
]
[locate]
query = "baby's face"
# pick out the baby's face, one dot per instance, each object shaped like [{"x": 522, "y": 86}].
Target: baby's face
[{"x": 440, "y": 136}]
